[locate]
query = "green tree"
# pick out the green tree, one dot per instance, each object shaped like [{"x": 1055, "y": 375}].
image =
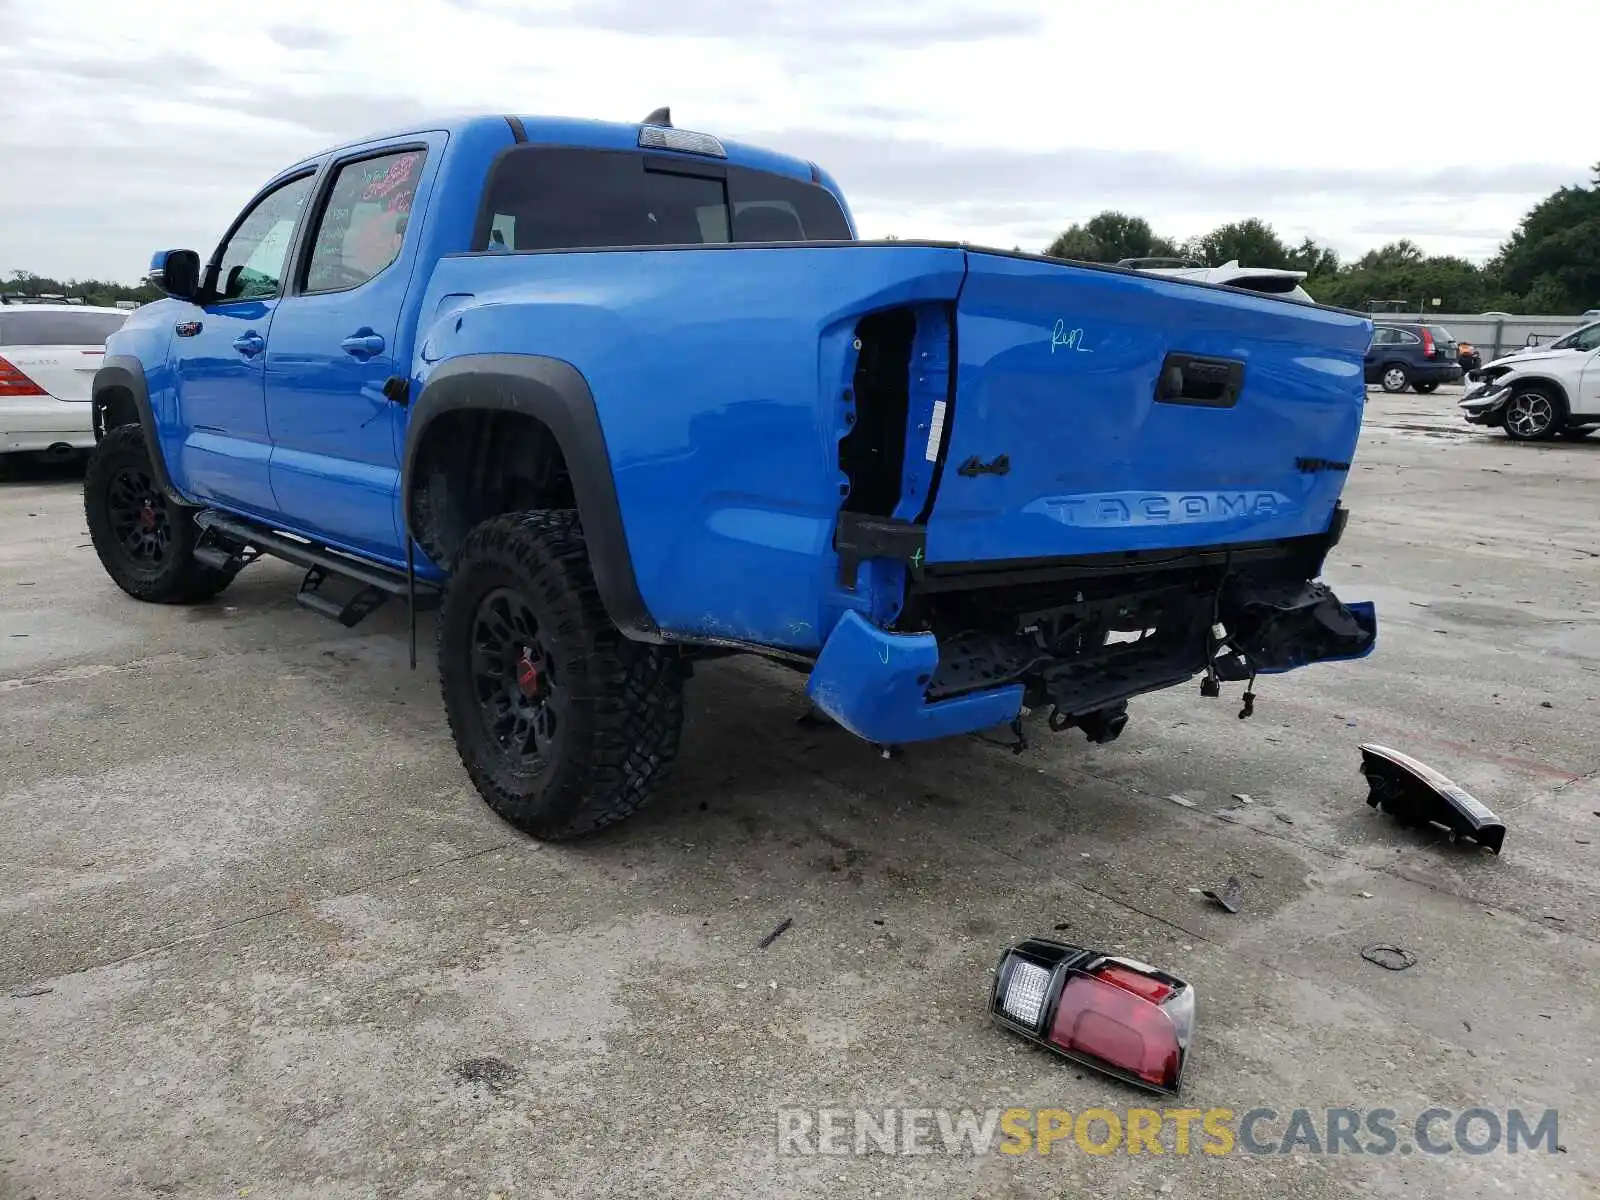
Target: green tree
[
  {"x": 1553, "y": 257},
  {"x": 1109, "y": 237},
  {"x": 1316, "y": 261},
  {"x": 1400, "y": 271},
  {"x": 103, "y": 292},
  {"x": 1250, "y": 243}
]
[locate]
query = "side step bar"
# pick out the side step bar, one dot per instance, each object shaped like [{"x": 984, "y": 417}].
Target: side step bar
[{"x": 228, "y": 543}]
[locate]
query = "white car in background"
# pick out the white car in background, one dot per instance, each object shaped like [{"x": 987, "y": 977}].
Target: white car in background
[
  {"x": 48, "y": 356},
  {"x": 1271, "y": 280},
  {"x": 1540, "y": 391}
]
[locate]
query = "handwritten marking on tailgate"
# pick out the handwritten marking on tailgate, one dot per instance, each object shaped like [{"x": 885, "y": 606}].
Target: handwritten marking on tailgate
[
  {"x": 1160, "y": 508},
  {"x": 1063, "y": 338}
]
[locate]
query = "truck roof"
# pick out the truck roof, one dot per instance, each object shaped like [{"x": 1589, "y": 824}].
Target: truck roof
[{"x": 581, "y": 132}]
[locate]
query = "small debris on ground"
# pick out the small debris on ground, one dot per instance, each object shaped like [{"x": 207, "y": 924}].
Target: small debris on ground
[
  {"x": 777, "y": 933},
  {"x": 1467, "y": 1025},
  {"x": 1230, "y": 895},
  {"x": 1390, "y": 958},
  {"x": 1364, "y": 895},
  {"x": 28, "y": 991},
  {"x": 1177, "y": 799},
  {"x": 1285, "y": 818},
  {"x": 1242, "y": 798},
  {"x": 492, "y": 1073},
  {"x": 1545, "y": 704}
]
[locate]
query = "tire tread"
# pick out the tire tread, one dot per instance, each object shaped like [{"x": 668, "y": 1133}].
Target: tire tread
[
  {"x": 187, "y": 581},
  {"x": 625, "y": 712}
]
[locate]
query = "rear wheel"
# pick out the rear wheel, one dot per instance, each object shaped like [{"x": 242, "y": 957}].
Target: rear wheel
[
  {"x": 1395, "y": 378},
  {"x": 564, "y": 726},
  {"x": 145, "y": 540},
  {"x": 1532, "y": 414},
  {"x": 1425, "y": 388}
]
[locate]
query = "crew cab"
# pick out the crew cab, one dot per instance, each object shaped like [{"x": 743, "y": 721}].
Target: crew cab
[
  {"x": 1540, "y": 392},
  {"x": 619, "y": 398}
]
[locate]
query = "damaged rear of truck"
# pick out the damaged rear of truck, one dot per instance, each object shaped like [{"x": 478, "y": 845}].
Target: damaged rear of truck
[
  {"x": 618, "y": 399},
  {"x": 951, "y": 485}
]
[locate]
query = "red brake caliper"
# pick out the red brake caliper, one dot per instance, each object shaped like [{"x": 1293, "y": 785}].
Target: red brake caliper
[{"x": 527, "y": 674}]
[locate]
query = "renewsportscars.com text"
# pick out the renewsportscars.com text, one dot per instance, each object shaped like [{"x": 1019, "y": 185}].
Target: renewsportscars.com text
[{"x": 1176, "y": 1131}]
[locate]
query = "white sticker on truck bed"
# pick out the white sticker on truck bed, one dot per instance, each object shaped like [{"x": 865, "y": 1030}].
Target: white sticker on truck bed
[{"x": 935, "y": 431}]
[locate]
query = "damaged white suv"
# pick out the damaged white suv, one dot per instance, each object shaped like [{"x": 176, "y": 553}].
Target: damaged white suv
[{"x": 1538, "y": 394}]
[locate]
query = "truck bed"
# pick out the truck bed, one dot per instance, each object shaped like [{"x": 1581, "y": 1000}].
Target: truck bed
[{"x": 761, "y": 405}]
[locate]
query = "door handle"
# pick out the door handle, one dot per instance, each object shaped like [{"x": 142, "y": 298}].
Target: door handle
[
  {"x": 362, "y": 345},
  {"x": 250, "y": 344}
]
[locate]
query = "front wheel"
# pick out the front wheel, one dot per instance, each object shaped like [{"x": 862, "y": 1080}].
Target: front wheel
[
  {"x": 564, "y": 726},
  {"x": 1395, "y": 378},
  {"x": 145, "y": 540},
  {"x": 1532, "y": 415},
  {"x": 1425, "y": 388}
]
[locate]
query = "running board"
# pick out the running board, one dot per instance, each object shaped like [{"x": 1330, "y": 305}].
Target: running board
[{"x": 228, "y": 541}]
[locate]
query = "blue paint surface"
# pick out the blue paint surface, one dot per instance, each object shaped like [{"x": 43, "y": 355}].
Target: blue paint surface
[{"x": 720, "y": 376}]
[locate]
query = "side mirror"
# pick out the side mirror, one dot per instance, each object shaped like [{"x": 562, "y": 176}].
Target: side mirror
[{"x": 176, "y": 272}]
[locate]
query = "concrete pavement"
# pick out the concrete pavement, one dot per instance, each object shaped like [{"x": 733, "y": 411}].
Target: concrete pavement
[{"x": 259, "y": 936}]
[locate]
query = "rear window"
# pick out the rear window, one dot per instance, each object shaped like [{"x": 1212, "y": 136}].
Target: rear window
[
  {"x": 539, "y": 198},
  {"x": 57, "y": 327},
  {"x": 1441, "y": 334}
]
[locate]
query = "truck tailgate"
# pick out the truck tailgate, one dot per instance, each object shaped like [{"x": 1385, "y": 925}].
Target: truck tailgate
[{"x": 1098, "y": 411}]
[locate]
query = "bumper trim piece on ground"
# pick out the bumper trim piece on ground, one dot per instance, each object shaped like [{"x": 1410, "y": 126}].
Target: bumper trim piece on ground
[
  {"x": 874, "y": 683},
  {"x": 1415, "y": 795}
]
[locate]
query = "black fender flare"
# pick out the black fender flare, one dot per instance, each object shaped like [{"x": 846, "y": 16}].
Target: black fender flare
[
  {"x": 553, "y": 392},
  {"x": 126, "y": 372}
]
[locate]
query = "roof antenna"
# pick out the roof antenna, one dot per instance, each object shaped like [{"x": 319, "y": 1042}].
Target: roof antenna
[{"x": 661, "y": 116}]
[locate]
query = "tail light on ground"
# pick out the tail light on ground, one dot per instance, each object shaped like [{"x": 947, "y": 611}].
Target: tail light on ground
[
  {"x": 1126, "y": 1018},
  {"x": 14, "y": 383}
]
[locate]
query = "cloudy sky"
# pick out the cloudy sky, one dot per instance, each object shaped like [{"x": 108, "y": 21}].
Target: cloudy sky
[{"x": 130, "y": 125}]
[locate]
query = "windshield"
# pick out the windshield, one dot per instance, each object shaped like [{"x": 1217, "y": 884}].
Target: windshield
[{"x": 1587, "y": 338}]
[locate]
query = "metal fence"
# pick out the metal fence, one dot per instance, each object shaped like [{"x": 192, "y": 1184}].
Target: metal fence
[{"x": 1493, "y": 336}]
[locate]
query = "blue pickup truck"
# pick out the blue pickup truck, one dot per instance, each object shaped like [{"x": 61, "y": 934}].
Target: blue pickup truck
[{"x": 619, "y": 398}]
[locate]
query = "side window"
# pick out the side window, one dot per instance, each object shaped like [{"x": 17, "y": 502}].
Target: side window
[
  {"x": 364, "y": 222},
  {"x": 1382, "y": 337},
  {"x": 1406, "y": 338},
  {"x": 541, "y": 198},
  {"x": 1587, "y": 339},
  {"x": 252, "y": 262}
]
